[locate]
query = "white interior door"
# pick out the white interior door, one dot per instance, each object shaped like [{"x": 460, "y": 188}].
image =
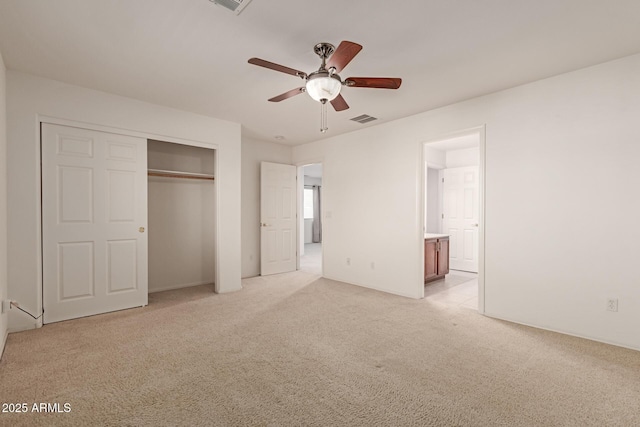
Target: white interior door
[
  {"x": 277, "y": 218},
  {"x": 460, "y": 216},
  {"x": 94, "y": 219}
]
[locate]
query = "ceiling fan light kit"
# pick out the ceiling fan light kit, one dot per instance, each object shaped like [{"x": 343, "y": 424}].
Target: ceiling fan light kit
[
  {"x": 325, "y": 84},
  {"x": 322, "y": 86}
]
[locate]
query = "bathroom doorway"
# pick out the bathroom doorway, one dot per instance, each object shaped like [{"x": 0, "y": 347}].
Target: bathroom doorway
[
  {"x": 311, "y": 218},
  {"x": 453, "y": 201}
]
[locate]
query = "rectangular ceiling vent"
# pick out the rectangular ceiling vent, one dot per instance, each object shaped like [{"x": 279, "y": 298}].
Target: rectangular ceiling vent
[
  {"x": 235, "y": 6},
  {"x": 365, "y": 118}
]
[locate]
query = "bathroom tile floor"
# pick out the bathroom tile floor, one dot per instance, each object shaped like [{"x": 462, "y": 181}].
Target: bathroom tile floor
[{"x": 458, "y": 288}]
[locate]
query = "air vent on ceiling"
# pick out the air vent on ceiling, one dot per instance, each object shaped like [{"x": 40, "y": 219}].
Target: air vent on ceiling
[
  {"x": 236, "y": 6},
  {"x": 365, "y": 118}
]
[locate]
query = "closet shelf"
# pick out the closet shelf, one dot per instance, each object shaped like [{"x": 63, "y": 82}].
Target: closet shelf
[{"x": 178, "y": 174}]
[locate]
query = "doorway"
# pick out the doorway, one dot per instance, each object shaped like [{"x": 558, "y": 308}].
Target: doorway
[
  {"x": 310, "y": 215},
  {"x": 181, "y": 215},
  {"x": 453, "y": 210}
]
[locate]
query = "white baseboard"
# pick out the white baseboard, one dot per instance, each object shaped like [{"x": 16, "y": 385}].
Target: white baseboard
[
  {"x": 4, "y": 343},
  {"x": 375, "y": 288},
  {"x": 179, "y": 286},
  {"x": 563, "y": 332}
]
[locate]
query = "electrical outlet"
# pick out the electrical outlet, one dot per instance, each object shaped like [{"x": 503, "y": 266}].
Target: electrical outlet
[{"x": 612, "y": 304}]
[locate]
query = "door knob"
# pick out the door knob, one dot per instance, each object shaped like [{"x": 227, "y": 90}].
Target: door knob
[
  {"x": 474, "y": 225},
  {"x": 141, "y": 229}
]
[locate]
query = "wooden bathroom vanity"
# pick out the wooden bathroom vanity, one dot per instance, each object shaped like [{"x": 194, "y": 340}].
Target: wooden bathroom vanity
[{"x": 436, "y": 256}]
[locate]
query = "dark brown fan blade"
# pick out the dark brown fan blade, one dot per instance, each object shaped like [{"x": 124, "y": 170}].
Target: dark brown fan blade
[
  {"x": 345, "y": 52},
  {"x": 276, "y": 67},
  {"x": 339, "y": 104},
  {"x": 289, "y": 94},
  {"x": 374, "y": 82}
]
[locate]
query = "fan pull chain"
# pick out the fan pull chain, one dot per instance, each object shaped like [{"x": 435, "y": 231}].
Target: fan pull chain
[{"x": 323, "y": 116}]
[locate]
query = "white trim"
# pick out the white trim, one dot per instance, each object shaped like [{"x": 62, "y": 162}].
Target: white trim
[
  {"x": 455, "y": 134},
  {"x": 378, "y": 289},
  {"x": 146, "y": 135},
  {"x": 437, "y": 166},
  {"x": 481, "y": 221},
  {"x": 481, "y": 132},
  {"x": 560, "y": 331},
  {"x": 4, "y": 343},
  {"x": 184, "y": 285},
  {"x": 299, "y": 215},
  {"x": 440, "y": 199}
]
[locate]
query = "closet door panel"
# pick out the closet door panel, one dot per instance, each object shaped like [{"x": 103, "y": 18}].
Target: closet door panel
[
  {"x": 121, "y": 196},
  {"x": 94, "y": 220},
  {"x": 122, "y": 265}
]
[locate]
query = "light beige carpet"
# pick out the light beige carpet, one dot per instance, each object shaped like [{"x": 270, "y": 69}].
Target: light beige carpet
[{"x": 293, "y": 349}]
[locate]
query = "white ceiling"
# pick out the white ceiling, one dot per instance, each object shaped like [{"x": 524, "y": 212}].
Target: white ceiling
[{"x": 192, "y": 54}]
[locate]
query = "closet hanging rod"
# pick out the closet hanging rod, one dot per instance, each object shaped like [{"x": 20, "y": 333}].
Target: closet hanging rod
[{"x": 178, "y": 174}]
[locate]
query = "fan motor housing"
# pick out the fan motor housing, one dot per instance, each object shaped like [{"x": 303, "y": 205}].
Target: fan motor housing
[{"x": 324, "y": 50}]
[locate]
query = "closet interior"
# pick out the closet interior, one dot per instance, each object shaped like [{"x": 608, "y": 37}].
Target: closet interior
[{"x": 181, "y": 214}]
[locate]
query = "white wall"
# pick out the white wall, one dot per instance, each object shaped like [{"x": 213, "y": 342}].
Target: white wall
[
  {"x": 545, "y": 263},
  {"x": 433, "y": 201},
  {"x": 463, "y": 157},
  {"x": 31, "y": 98},
  {"x": 311, "y": 180},
  {"x": 181, "y": 218},
  {"x": 308, "y": 222},
  {"x": 370, "y": 208},
  {"x": 254, "y": 152},
  {"x": 4, "y": 318},
  {"x": 435, "y": 158}
]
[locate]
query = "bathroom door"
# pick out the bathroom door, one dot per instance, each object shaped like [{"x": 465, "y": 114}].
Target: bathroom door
[{"x": 460, "y": 216}]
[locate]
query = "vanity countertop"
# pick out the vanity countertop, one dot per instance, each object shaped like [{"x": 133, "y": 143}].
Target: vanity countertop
[{"x": 434, "y": 236}]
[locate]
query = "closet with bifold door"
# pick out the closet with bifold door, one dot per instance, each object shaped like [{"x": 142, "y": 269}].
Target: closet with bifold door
[
  {"x": 181, "y": 215},
  {"x": 122, "y": 216}
]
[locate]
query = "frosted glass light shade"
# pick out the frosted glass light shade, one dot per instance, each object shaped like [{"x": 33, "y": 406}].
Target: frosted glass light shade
[{"x": 323, "y": 87}]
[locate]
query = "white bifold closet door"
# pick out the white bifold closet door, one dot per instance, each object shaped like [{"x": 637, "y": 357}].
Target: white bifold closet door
[{"x": 94, "y": 219}]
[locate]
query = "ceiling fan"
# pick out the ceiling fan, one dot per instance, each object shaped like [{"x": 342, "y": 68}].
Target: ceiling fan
[{"x": 324, "y": 84}]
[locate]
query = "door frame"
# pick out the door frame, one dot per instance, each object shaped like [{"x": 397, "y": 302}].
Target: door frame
[
  {"x": 40, "y": 119},
  {"x": 300, "y": 226},
  {"x": 480, "y": 131}
]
